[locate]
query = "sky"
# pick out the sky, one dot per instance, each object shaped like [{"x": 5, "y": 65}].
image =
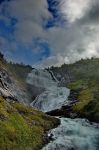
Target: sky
[{"x": 43, "y": 33}]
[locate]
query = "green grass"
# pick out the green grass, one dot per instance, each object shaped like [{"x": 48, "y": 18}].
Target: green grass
[
  {"x": 88, "y": 101},
  {"x": 85, "y": 96},
  {"x": 79, "y": 84},
  {"x": 21, "y": 127}
]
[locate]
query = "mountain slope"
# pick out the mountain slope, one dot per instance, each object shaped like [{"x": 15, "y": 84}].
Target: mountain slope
[
  {"x": 82, "y": 78},
  {"x": 21, "y": 127}
]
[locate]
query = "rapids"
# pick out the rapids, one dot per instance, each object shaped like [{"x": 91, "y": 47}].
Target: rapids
[{"x": 72, "y": 134}]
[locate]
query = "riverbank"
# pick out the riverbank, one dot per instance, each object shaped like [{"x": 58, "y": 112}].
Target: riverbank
[{"x": 22, "y": 126}]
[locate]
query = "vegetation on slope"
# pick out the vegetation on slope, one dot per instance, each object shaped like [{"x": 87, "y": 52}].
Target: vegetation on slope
[
  {"x": 18, "y": 71},
  {"x": 22, "y": 127},
  {"x": 82, "y": 77},
  {"x": 88, "y": 99}
]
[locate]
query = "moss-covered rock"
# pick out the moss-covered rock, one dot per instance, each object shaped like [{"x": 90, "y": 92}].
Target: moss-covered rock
[{"x": 22, "y": 127}]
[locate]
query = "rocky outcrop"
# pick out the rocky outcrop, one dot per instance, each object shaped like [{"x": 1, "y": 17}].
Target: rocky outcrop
[
  {"x": 11, "y": 89},
  {"x": 4, "y": 85}
]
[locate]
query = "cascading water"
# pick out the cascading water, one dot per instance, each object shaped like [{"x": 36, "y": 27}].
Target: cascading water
[
  {"x": 41, "y": 78},
  {"x": 53, "y": 97},
  {"x": 72, "y": 134}
]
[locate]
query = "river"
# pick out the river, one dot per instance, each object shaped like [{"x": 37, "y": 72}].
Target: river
[
  {"x": 74, "y": 134},
  {"x": 71, "y": 134}
]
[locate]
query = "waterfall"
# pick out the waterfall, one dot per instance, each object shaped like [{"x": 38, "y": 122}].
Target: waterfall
[
  {"x": 41, "y": 78},
  {"x": 52, "y": 74},
  {"x": 53, "y": 97},
  {"x": 71, "y": 134}
]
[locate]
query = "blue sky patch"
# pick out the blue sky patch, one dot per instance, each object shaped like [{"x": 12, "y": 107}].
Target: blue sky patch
[
  {"x": 58, "y": 20},
  {"x": 7, "y": 31},
  {"x": 35, "y": 52},
  {"x": 1, "y": 1},
  {"x": 53, "y": 7}
]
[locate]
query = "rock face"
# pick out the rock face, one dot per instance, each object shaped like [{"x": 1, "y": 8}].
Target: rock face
[
  {"x": 5, "y": 82},
  {"x": 10, "y": 89}
]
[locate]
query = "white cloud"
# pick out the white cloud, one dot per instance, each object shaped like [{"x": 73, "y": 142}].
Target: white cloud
[
  {"x": 28, "y": 30},
  {"x": 28, "y": 9},
  {"x": 52, "y": 60},
  {"x": 74, "y": 9},
  {"x": 31, "y": 15},
  {"x": 78, "y": 39}
]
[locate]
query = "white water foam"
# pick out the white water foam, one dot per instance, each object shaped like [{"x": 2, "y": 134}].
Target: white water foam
[
  {"x": 53, "y": 97},
  {"x": 74, "y": 134}
]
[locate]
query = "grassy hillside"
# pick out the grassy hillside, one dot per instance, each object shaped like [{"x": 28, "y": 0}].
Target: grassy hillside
[
  {"x": 21, "y": 127},
  {"x": 88, "y": 99},
  {"x": 83, "y": 77},
  {"x": 83, "y": 69}
]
